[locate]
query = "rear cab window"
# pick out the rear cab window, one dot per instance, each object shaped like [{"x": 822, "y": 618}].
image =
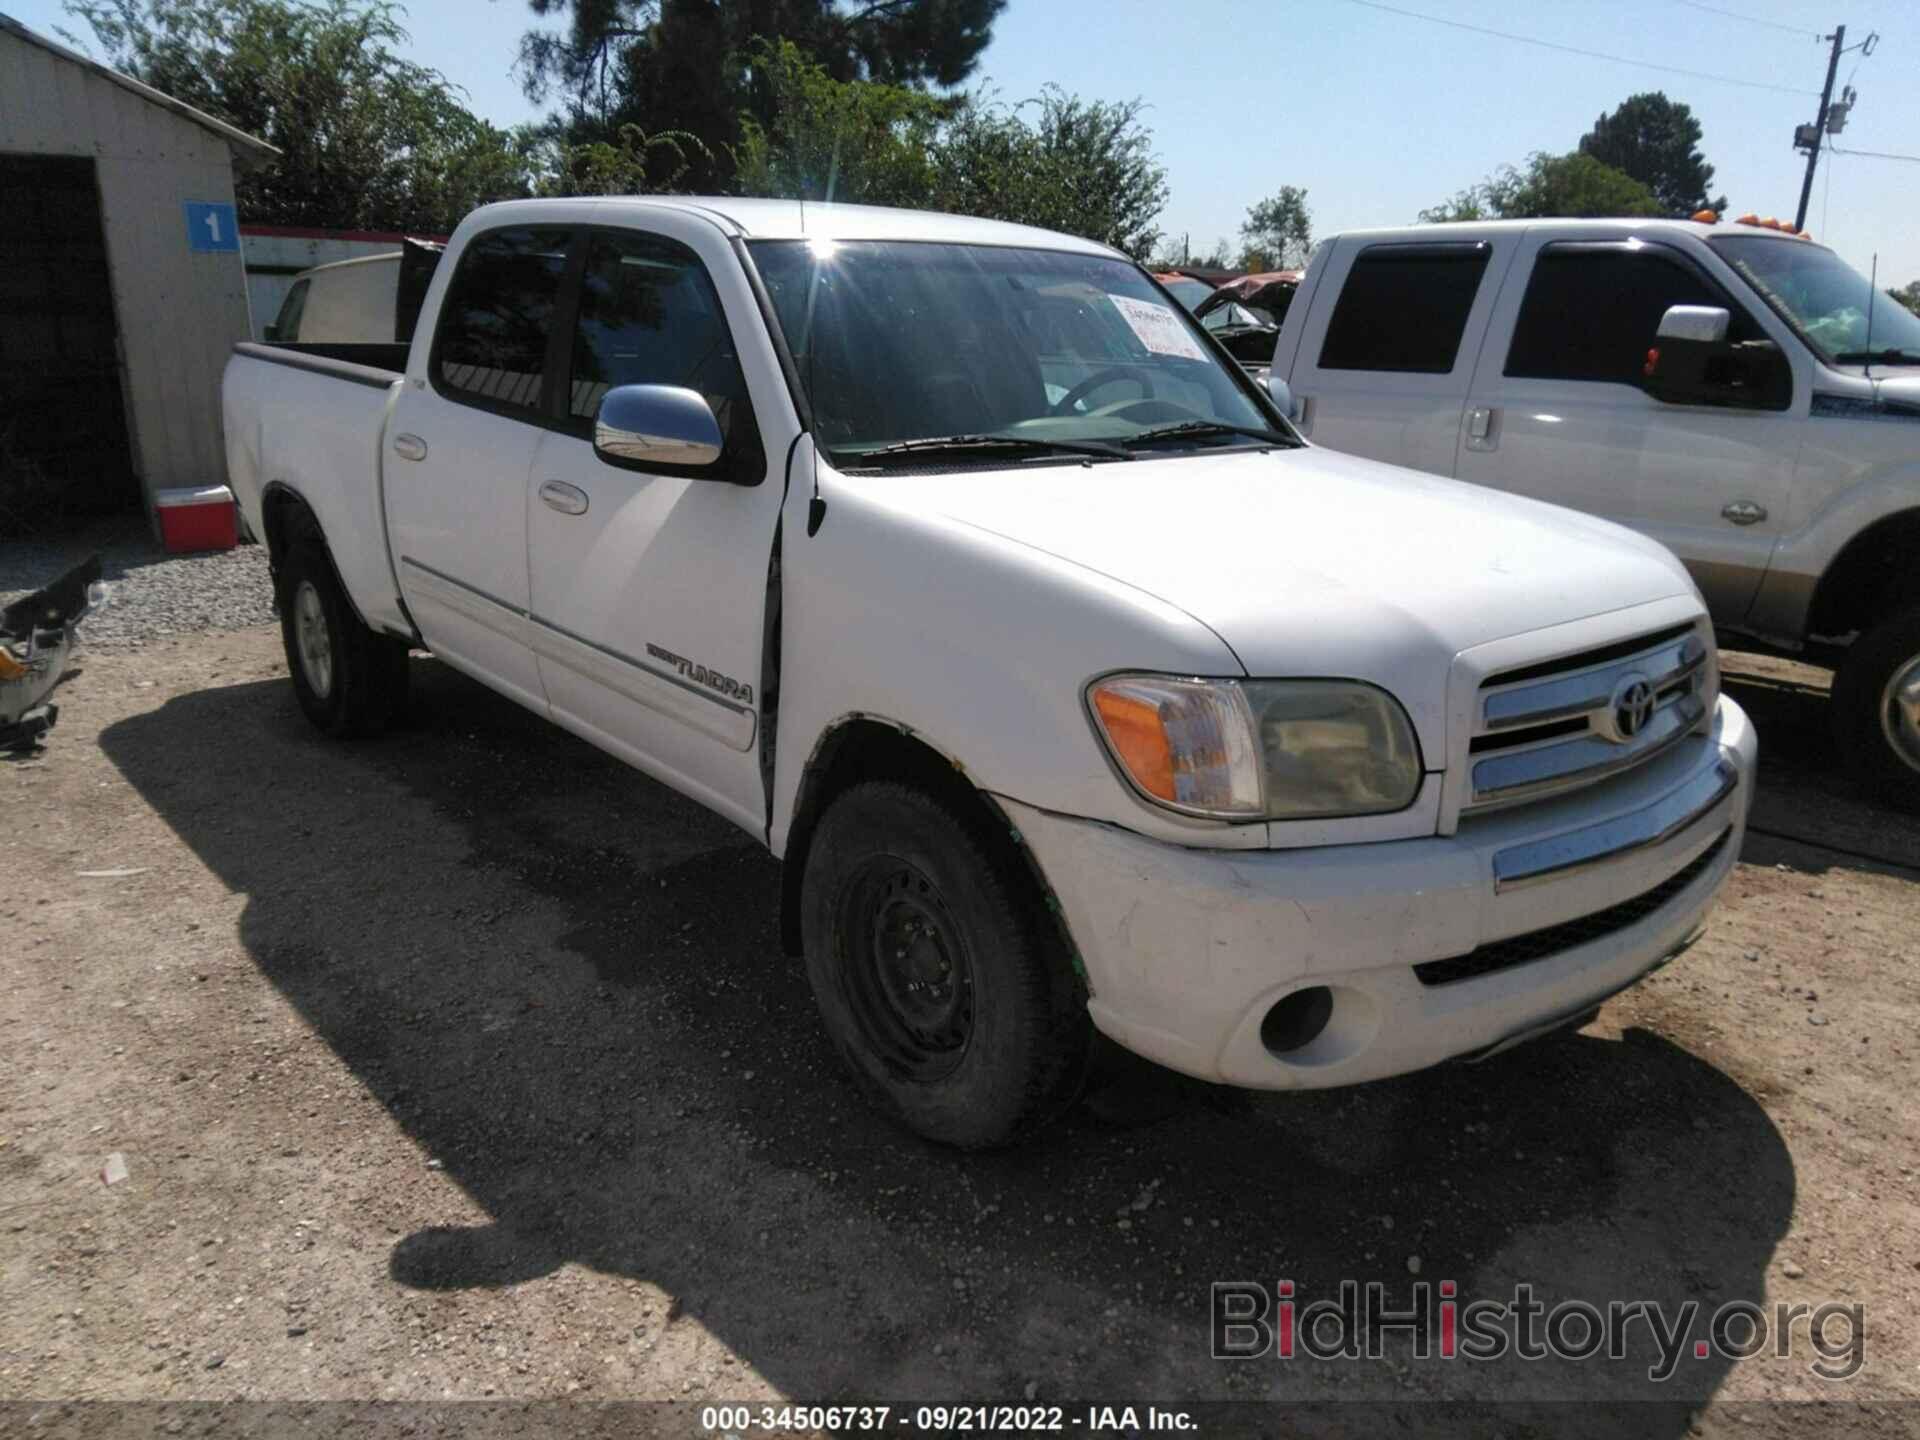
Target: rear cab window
[{"x": 1404, "y": 308}]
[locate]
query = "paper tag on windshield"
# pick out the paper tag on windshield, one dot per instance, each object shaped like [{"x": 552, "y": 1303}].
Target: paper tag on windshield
[{"x": 1158, "y": 327}]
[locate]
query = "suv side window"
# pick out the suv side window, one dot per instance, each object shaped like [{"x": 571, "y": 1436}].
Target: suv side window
[
  {"x": 649, "y": 315},
  {"x": 286, "y": 325},
  {"x": 1404, "y": 308},
  {"x": 1590, "y": 314},
  {"x": 490, "y": 348}
]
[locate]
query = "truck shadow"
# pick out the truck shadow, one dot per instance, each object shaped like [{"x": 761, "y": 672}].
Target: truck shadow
[{"x": 563, "y": 981}]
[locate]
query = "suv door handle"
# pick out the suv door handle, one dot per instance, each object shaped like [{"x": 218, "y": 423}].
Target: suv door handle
[
  {"x": 1483, "y": 431},
  {"x": 567, "y": 499},
  {"x": 1744, "y": 512},
  {"x": 409, "y": 447}
]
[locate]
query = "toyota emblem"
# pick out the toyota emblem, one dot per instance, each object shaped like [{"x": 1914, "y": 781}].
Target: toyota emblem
[{"x": 1631, "y": 707}]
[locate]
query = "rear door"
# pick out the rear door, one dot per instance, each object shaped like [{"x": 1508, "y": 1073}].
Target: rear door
[
  {"x": 1558, "y": 412},
  {"x": 1387, "y": 351},
  {"x": 460, "y": 447},
  {"x": 649, "y": 587}
]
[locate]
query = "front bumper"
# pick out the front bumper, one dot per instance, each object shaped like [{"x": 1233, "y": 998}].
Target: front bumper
[{"x": 1521, "y": 919}]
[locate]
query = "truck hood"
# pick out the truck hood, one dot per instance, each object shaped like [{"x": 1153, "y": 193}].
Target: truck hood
[{"x": 1310, "y": 562}]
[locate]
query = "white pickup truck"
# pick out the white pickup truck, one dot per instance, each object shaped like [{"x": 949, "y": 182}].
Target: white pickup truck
[
  {"x": 954, "y": 562},
  {"x": 1738, "y": 393}
]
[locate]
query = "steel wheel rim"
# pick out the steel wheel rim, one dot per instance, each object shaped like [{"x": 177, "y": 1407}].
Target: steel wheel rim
[
  {"x": 1900, "y": 712},
  {"x": 909, "y": 974},
  {"x": 312, "y": 639}
]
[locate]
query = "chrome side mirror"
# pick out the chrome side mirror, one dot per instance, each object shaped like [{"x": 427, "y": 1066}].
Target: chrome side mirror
[
  {"x": 643, "y": 427},
  {"x": 1695, "y": 324},
  {"x": 1281, "y": 392}
]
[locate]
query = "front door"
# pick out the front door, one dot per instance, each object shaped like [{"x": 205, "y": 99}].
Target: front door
[
  {"x": 459, "y": 449},
  {"x": 1559, "y": 413},
  {"x": 649, "y": 586}
]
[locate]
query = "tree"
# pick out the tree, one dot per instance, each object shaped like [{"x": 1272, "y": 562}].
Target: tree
[
  {"x": 691, "y": 64},
  {"x": 856, "y": 141},
  {"x": 632, "y": 163},
  {"x": 367, "y": 140},
  {"x": 1057, "y": 161},
  {"x": 1655, "y": 140},
  {"x": 1278, "y": 231},
  {"x": 1551, "y": 185},
  {"x": 1908, "y": 295}
]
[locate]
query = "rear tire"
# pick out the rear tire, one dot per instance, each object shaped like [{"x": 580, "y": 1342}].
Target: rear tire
[
  {"x": 941, "y": 979},
  {"x": 350, "y": 681},
  {"x": 1876, "y": 710}
]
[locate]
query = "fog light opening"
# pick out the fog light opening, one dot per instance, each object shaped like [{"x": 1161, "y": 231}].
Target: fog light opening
[{"x": 1296, "y": 1021}]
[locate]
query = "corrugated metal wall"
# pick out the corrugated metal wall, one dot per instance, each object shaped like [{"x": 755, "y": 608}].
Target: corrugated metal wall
[{"x": 178, "y": 312}]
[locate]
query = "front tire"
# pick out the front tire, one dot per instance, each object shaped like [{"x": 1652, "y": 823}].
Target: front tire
[
  {"x": 941, "y": 979},
  {"x": 350, "y": 681},
  {"x": 1876, "y": 700}
]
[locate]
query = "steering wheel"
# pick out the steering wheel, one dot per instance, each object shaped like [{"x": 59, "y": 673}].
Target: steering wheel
[{"x": 1108, "y": 376}]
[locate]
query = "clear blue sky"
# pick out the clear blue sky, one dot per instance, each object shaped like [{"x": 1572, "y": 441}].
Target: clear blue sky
[{"x": 1378, "y": 114}]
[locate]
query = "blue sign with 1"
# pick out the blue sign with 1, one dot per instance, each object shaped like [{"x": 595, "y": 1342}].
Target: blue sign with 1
[{"x": 211, "y": 228}]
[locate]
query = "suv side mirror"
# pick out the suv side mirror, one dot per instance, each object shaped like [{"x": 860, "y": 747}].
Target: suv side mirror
[
  {"x": 1695, "y": 325},
  {"x": 652, "y": 427},
  {"x": 1281, "y": 392}
]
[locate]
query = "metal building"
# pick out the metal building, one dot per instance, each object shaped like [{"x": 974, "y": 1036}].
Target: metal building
[{"x": 121, "y": 282}]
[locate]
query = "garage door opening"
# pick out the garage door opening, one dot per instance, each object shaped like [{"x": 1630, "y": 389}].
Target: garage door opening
[{"x": 64, "y": 448}]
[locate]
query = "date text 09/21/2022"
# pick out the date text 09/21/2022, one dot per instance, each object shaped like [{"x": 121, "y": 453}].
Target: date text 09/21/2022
[{"x": 942, "y": 1418}]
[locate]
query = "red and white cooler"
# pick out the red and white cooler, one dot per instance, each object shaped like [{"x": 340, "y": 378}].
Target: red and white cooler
[{"x": 200, "y": 518}]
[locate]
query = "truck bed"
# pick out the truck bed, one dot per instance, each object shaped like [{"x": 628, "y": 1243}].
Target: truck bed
[{"x": 312, "y": 419}]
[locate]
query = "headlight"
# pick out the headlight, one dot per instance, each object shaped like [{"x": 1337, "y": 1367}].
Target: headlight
[{"x": 1259, "y": 749}]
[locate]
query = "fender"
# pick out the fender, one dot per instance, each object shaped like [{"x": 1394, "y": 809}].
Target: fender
[{"x": 1802, "y": 559}]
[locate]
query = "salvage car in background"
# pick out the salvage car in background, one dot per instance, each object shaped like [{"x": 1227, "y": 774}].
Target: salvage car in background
[
  {"x": 1245, "y": 314},
  {"x": 1188, "y": 291}
]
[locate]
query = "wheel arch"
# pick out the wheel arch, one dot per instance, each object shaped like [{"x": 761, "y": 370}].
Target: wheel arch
[
  {"x": 1871, "y": 575},
  {"x": 862, "y": 747}
]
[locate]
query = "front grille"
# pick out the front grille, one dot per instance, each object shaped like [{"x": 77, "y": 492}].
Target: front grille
[
  {"x": 1539, "y": 944},
  {"x": 1550, "y": 727}
]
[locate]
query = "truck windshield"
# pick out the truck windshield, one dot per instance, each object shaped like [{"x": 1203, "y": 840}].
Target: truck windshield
[
  {"x": 1826, "y": 300},
  {"x": 900, "y": 343}
]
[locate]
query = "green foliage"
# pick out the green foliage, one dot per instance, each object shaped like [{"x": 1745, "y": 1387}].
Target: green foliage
[
  {"x": 368, "y": 140},
  {"x": 1551, "y": 185},
  {"x": 1057, "y": 161},
  {"x": 1083, "y": 166},
  {"x": 1278, "y": 231},
  {"x": 826, "y": 139},
  {"x": 1908, "y": 295},
  {"x": 1656, "y": 141},
  {"x": 694, "y": 65},
  {"x": 632, "y": 163}
]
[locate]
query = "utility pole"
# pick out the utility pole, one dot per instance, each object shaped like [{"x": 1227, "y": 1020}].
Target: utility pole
[{"x": 1839, "y": 38}]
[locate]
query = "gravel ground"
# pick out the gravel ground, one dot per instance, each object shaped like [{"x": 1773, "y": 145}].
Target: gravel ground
[
  {"x": 463, "y": 1064},
  {"x": 154, "y": 595}
]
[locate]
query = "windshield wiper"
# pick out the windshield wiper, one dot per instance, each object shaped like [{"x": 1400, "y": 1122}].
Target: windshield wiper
[
  {"x": 948, "y": 444},
  {"x": 1894, "y": 355},
  {"x": 1208, "y": 427}
]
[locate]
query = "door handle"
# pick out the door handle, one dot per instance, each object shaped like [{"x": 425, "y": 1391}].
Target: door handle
[
  {"x": 409, "y": 447},
  {"x": 567, "y": 499},
  {"x": 1483, "y": 427},
  {"x": 1744, "y": 512}
]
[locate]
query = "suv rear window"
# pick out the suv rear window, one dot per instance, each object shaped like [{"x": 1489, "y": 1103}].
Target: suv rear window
[
  {"x": 491, "y": 347},
  {"x": 1404, "y": 307}
]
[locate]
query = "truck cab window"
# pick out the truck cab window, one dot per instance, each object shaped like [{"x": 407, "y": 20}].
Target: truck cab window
[
  {"x": 1404, "y": 308},
  {"x": 649, "y": 315},
  {"x": 1591, "y": 314},
  {"x": 491, "y": 345}
]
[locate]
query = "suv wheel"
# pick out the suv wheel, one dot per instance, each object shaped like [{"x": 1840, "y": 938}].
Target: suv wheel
[
  {"x": 1876, "y": 697},
  {"x": 941, "y": 979}
]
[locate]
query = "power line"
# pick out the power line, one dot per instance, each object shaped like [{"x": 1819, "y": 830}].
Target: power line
[
  {"x": 1874, "y": 154},
  {"x": 1575, "y": 50},
  {"x": 1751, "y": 19}
]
